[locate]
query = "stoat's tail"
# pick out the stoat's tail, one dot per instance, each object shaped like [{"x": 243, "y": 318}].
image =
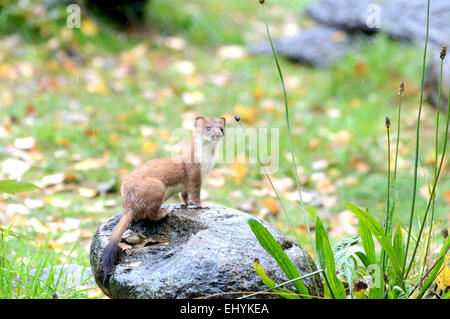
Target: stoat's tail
[{"x": 110, "y": 252}]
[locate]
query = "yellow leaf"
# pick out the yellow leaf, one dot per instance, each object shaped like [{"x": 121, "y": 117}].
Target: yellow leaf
[
  {"x": 239, "y": 171},
  {"x": 97, "y": 87},
  {"x": 87, "y": 192},
  {"x": 114, "y": 137},
  {"x": 356, "y": 102},
  {"x": 443, "y": 280},
  {"x": 62, "y": 141},
  {"x": 164, "y": 133},
  {"x": 89, "y": 27},
  {"x": 247, "y": 114},
  {"x": 258, "y": 92},
  {"x": 149, "y": 147},
  {"x": 343, "y": 137}
]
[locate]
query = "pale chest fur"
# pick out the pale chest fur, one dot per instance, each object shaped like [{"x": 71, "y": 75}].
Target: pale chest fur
[{"x": 207, "y": 159}]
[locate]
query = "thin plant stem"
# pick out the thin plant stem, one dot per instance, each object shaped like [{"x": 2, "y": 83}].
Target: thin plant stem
[
  {"x": 433, "y": 191},
  {"x": 431, "y": 221},
  {"x": 388, "y": 220},
  {"x": 411, "y": 217},
  {"x": 291, "y": 149},
  {"x": 283, "y": 284},
  {"x": 291, "y": 224},
  {"x": 425, "y": 275},
  {"x": 401, "y": 90}
]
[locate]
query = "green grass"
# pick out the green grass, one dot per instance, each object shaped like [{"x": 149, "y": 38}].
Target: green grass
[
  {"x": 22, "y": 263},
  {"x": 361, "y": 89}
]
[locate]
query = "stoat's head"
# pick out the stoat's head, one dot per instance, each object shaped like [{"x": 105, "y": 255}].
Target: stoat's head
[{"x": 211, "y": 130}]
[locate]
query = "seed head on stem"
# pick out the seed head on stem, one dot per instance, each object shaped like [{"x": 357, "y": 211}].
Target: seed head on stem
[
  {"x": 388, "y": 122},
  {"x": 443, "y": 52},
  {"x": 401, "y": 88}
]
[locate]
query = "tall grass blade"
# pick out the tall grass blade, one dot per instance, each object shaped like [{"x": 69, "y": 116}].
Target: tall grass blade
[
  {"x": 326, "y": 260},
  {"x": 433, "y": 191},
  {"x": 417, "y": 141},
  {"x": 286, "y": 109},
  {"x": 378, "y": 231},
  {"x": 367, "y": 241},
  {"x": 431, "y": 220}
]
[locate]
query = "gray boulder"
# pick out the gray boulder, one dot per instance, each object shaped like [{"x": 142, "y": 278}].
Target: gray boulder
[
  {"x": 193, "y": 253},
  {"x": 400, "y": 19},
  {"x": 321, "y": 46}
]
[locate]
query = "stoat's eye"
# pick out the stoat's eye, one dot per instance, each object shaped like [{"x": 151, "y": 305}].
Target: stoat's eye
[{"x": 208, "y": 128}]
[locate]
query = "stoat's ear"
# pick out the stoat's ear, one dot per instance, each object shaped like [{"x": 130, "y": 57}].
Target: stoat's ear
[
  {"x": 199, "y": 121},
  {"x": 223, "y": 121}
]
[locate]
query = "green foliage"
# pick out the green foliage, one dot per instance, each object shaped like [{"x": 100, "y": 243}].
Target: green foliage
[
  {"x": 22, "y": 266},
  {"x": 437, "y": 268},
  {"x": 346, "y": 260},
  {"x": 271, "y": 284},
  {"x": 11, "y": 186},
  {"x": 269, "y": 243},
  {"x": 394, "y": 253},
  {"x": 196, "y": 21},
  {"x": 367, "y": 242},
  {"x": 377, "y": 230},
  {"x": 326, "y": 262}
]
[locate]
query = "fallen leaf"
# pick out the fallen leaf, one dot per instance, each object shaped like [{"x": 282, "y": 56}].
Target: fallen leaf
[
  {"x": 238, "y": 172},
  {"x": 62, "y": 141},
  {"x": 446, "y": 197},
  {"x": 216, "y": 181},
  {"x": 193, "y": 97},
  {"x": 16, "y": 209},
  {"x": 231, "y": 52},
  {"x": 135, "y": 264},
  {"x": 36, "y": 225},
  {"x": 247, "y": 114},
  {"x": 443, "y": 279},
  {"x": 343, "y": 224},
  {"x": 90, "y": 163},
  {"x": 175, "y": 43},
  {"x": 87, "y": 192},
  {"x": 184, "y": 67},
  {"x": 58, "y": 202},
  {"x": 271, "y": 204},
  {"x": 293, "y": 196},
  {"x": 149, "y": 147},
  {"x": 343, "y": 137},
  {"x": 14, "y": 168},
  {"x": 26, "y": 143},
  {"x": 89, "y": 27},
  {"x": 34, "y": 203},
  {"x": 69, "y": 238},
  {"x": 51, "y": 180}
]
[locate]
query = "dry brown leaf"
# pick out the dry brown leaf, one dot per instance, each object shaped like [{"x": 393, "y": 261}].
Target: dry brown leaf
[
  {"x": 271, "y": 204},
  {"x": 446, "y": 197}
]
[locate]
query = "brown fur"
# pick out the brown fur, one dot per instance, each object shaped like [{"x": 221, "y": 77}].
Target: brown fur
[{"x": 153, "y": 182}]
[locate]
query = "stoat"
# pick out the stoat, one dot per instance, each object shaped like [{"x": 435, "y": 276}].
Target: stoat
[{"x": 153, "y": 182}]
